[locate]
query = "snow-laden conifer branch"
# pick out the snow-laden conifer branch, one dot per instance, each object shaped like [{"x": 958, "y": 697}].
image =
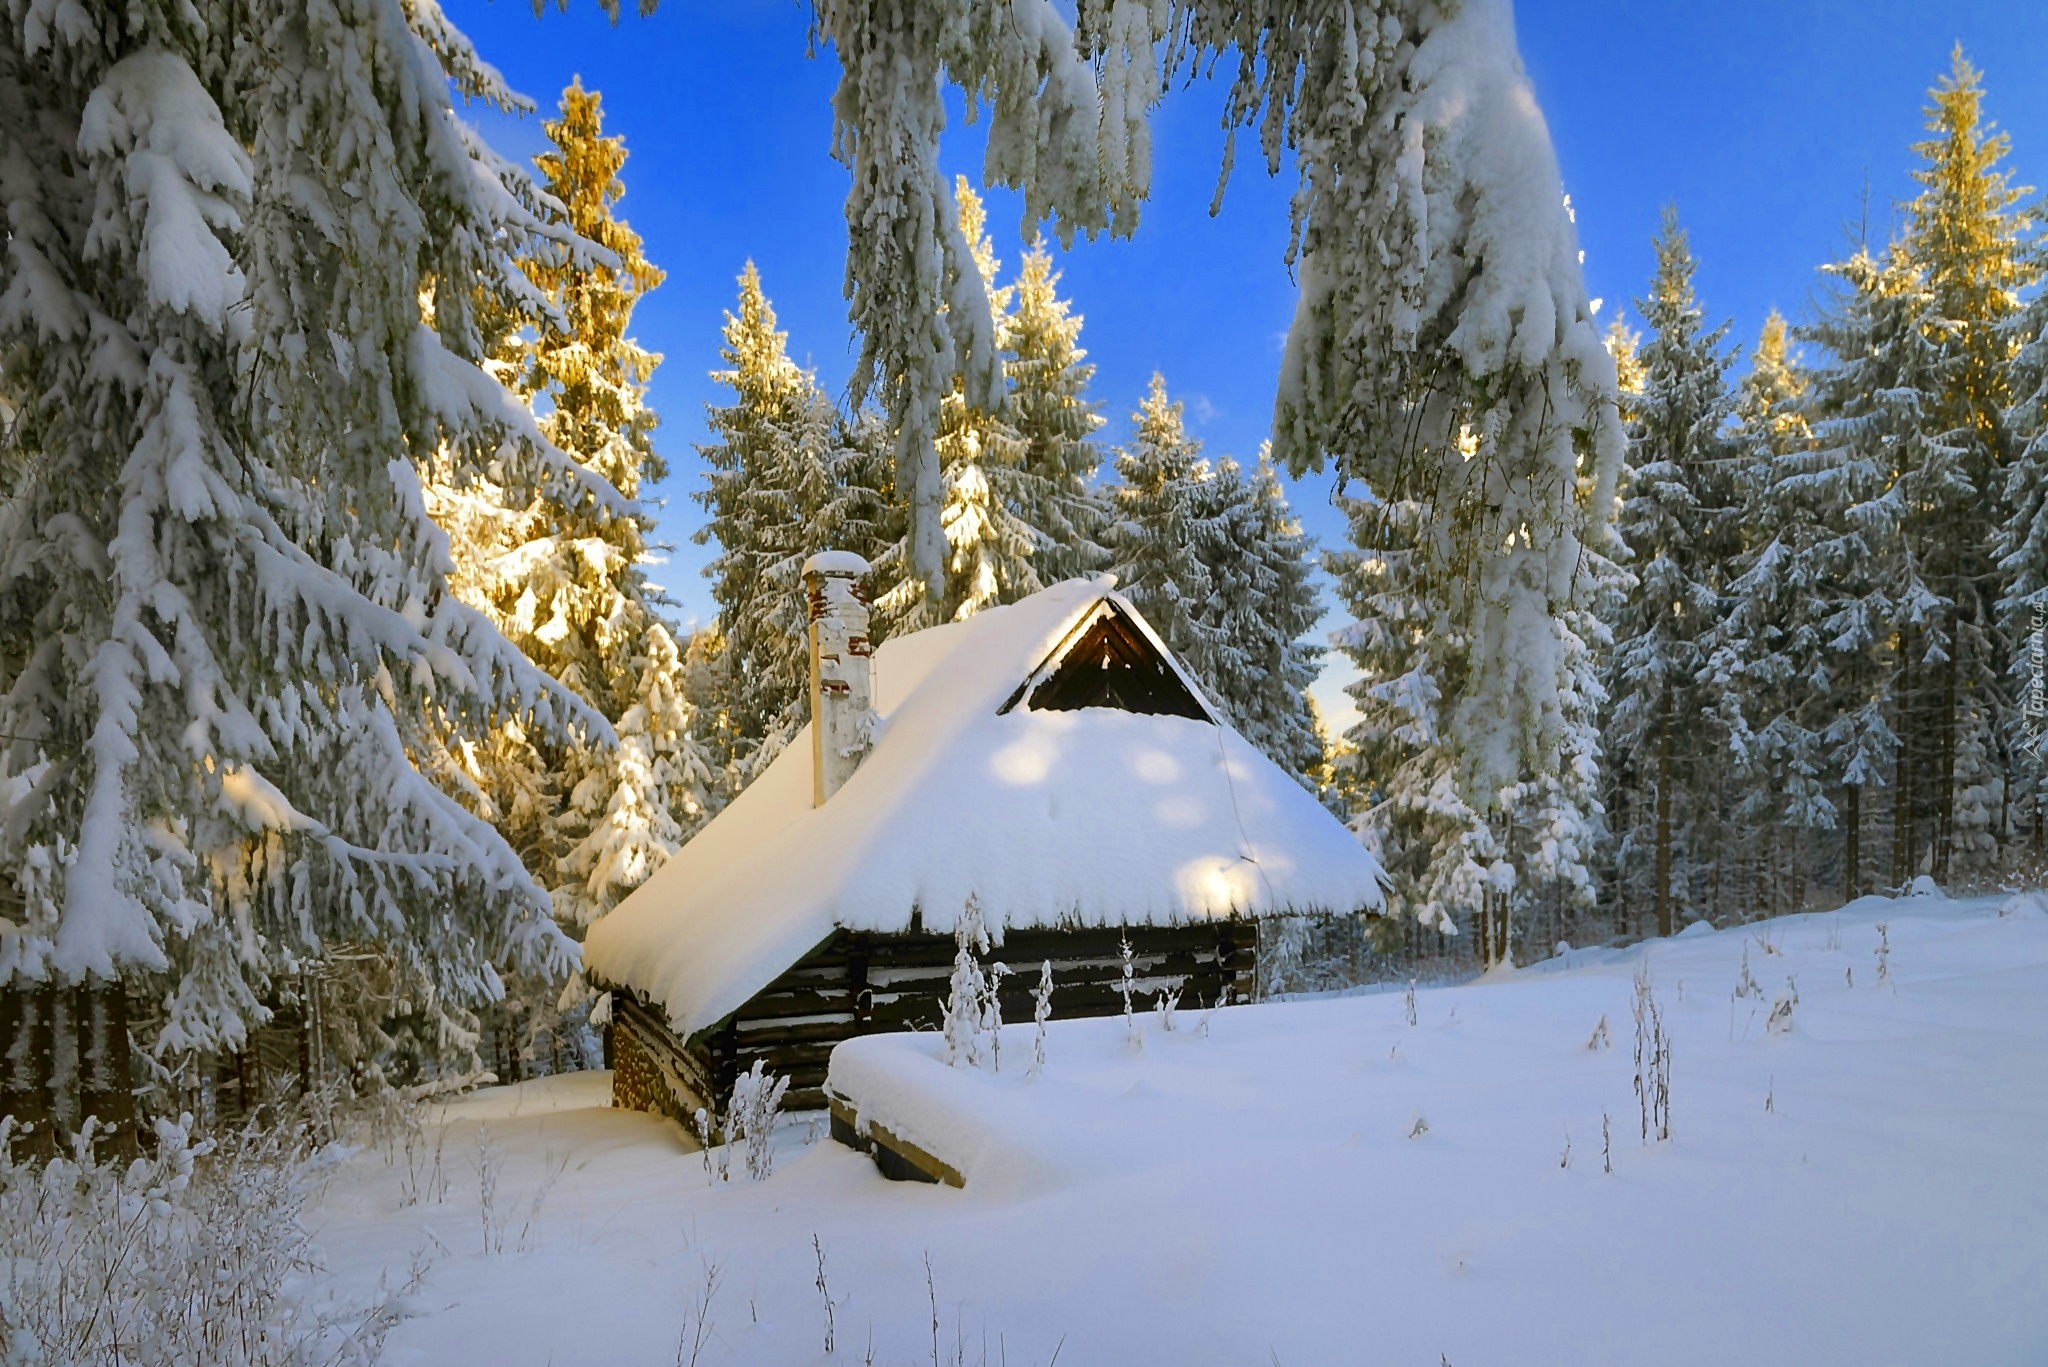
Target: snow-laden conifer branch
[
  {"x": 226, "y": 636},
  {"x": 919, "y": 307},
  {"x": 1442, "y": 357}
]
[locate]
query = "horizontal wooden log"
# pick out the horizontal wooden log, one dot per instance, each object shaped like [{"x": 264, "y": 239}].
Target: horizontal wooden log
[{"x": 862, "y": 982}]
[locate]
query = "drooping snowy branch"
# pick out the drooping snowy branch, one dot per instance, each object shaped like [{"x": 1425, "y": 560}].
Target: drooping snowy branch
[
  {"x": 915, "y": 299},
  {"x": 1443, "y": 352}
]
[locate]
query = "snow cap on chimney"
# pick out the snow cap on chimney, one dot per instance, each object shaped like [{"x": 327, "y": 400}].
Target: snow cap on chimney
[{"x": 842, "y": 696}]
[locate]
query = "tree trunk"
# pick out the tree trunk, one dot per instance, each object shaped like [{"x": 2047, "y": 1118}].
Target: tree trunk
[
  {"x": 28, "y": 1064},
  {"x": 1903, "y": 767},
  {"x": 1944, "y": 785},
  {"x": 106, "y": 1070},
  {"x": 1852, "y": 852},
  {"x": 1663, "y": 864}
]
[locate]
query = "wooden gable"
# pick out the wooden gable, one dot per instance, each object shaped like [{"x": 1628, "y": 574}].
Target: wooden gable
[{"x": 1108, "y": 662}]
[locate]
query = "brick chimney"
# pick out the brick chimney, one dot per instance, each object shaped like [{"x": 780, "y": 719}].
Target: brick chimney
[{"x": 841, "y": 694}]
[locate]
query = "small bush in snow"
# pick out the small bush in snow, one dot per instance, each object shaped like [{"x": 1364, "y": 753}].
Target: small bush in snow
[
  {"x": 1780, "y": 1019},
  {"x": 1041, "y": 1012},
  {"x": 694, "y": 1333},
  {"x": 1653, "y": 1059},
  {"x": 706, "y": 1141},
  {"x": 1164, "y": 1001},
  {"x": 1600, "y": 1039},
  {"x": 2023, "y": 905},
  {"x": 195, "y": 1256},
  {"x": 426, "y": 1178},
  {"x": 750, "y": 1118},
  {"x": 1746, "y": 986},
  {"x": 489, "y": 1158},
  {"x": 749, "y": 1125},
  {"x": 824, "y": 1292}
]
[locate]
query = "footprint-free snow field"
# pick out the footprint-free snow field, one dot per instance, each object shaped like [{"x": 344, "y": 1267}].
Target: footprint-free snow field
[{"x": 1863, "y": 1180}]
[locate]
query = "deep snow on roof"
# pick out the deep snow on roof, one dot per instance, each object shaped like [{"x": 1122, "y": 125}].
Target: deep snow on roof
[{"x": 1087, "y": 817}]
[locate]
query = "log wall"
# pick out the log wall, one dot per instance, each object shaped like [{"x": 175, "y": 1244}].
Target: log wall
[{"x": 864, "y": 983}]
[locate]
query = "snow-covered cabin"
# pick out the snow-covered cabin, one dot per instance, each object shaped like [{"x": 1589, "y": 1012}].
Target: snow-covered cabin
[{"x": 1048, "y": 759}]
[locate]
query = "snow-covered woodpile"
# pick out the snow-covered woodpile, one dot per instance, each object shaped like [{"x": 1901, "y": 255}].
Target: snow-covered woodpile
[{"x": 1048, "y": 760}]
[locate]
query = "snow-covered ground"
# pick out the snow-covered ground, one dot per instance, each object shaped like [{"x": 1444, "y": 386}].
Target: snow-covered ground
[{"x": 1319, "y": 1182}]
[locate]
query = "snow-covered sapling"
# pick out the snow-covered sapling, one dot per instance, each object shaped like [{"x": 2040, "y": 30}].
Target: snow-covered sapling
[
  {"x": 1041, "y": 1012},
  {"x": 1600, "y": 1038},
  {"x": 1884, "y": 952},
  {"x": 1771, "y": 1095},
  {"x": 1780, "y": 1019},
  {"x": 1653, "y": 1059},
  {"x": 1164, "y": 1001},
  {"x": 1127, "y": 985},
  {"x": 1408, "y": 1002},
  {"x": 1564, "y": 1160},
  {"x": 964, "y": 1004},
  {"x": 992, "y": 1012},
  {"x": 1420, "y": 1128},
  {"x": 1606, "y": 1145}
]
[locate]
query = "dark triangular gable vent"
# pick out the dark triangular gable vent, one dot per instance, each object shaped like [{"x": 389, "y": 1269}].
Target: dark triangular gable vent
[{"x": 1110, "y": 663}]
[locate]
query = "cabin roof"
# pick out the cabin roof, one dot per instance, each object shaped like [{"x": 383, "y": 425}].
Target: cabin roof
[{"x": 998, "y": 772}]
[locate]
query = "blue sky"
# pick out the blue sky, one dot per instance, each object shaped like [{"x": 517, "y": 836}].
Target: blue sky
[{"x": 1762, "y": 122}]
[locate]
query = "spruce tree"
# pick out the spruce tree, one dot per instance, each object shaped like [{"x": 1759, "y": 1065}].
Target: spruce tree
[
  {"x": 789, "y": 476},
  {"x": 570, "y": 588},
  {"x": 1048, "y": 376},
  {"x": 1967, "y": 234},
  {"x": 1880, "y": 459},
  {"x": 1440, "y": 853},
  {"x": 1665, "y": 716},
  {"x": 1160, "y": 509},
  {"x": 1783, "y": 591},
  {"x": 989, "y": 549},
  {"x": 1257, "y": 658},
  {"x": 1218, "y": 564},
  {"x": 2023, "y": 560},
  {"x": 226, "y": 642}
]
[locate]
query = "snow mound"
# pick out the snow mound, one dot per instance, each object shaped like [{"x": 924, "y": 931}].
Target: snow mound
[{"x": 1864, "y": 1188}]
